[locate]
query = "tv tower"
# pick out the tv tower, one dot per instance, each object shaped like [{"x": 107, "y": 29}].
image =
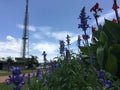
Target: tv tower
[{"x": 25, "y": 37}]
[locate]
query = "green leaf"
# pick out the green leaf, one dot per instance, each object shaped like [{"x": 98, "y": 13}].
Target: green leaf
[
  {"x": 103, "y": 37},
  {"x": 97, "y": 33},
  {"x": 115, "y": 49},
  {"x": 100, "y": 56},
  {"x": 111, "y": 64},
  {"x": 113, "y": 29},
  {"x": 84, "y": 50}
]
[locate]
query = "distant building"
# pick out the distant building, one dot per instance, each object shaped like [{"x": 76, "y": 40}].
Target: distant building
[{"x": 19, "y": 59}]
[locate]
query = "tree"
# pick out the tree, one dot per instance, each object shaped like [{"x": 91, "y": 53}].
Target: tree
[
  {"x": 10, "y": 61},
  {"x": 32, "y": 62}
]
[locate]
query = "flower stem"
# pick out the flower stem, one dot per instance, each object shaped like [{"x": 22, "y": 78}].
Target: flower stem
[
  {"x": 87, "y": 44},
  {"x": 116, "y": 12},
  {"x": 95, "y": 15}
]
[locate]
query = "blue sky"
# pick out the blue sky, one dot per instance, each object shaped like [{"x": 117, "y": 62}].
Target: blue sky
[{"x": 49, "y": 22}]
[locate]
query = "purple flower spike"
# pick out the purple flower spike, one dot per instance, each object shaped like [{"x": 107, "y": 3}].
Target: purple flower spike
[
  {"x": 15, "y": 78},
  {"x": 62, "y": 47},
  {"x": 102, "y": 82},
  {"x": 39, "y": 74},
  {"x": 15, "y": 70},
  {"x": 68, "y": 55},
  {"x": 108, "y": 84},
  {"x": 101, "y": 74},
  {"x": 83, "y": 18}
]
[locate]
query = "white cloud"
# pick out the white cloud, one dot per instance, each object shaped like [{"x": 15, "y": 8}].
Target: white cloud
[
  {"x": 49, "y": 47},
  {"x": 46, "y": 46},
  {"x": 109, "y": 15},
  {"x": 47, "y": 31},
  {"x": 38, "y": 36},
  {"x": 10, "y": 47},
  {"x": 62, "y": 35},
  {"x": 30, "y": 27},
  {"x": 74, "y": 39},
  {"x": 10, "y": 38}
]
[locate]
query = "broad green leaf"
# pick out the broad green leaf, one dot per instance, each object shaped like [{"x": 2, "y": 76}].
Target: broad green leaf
[
  {"x": 115, "y": 48},
  {"x": 100, "y": 56},
  {"x": 103, "y": 37},
  {"x": 111, "y": 64},
  {"x": 84, "y": 50},
  {"x": 113, "y": 29}
]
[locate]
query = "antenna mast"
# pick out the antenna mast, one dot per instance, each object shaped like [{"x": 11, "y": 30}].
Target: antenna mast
[{"x": 25, "y": 32}]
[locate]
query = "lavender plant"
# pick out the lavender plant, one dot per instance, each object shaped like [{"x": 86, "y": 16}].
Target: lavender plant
[
  {"x": 62, "y": 47},
  {"x": 16, "y": 78},
  {"x": 78, "y": 42},
  {"x": 67, "y": 57},
  {"x": 68, "y": 41},
  {"x": 84, "y": 26}
]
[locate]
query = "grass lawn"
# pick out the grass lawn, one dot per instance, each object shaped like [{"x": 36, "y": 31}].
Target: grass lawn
[{"x": 3, "y": 86}]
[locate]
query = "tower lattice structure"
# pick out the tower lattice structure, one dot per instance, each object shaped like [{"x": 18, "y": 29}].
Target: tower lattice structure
[{"x": 25, "y": 38}]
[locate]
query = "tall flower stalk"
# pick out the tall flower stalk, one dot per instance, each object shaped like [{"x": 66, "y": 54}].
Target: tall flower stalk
[
  {"x": 96, "y": 9},
  {"x": 68, "y": 55},
  {"x": 62, "y": 47},
  {"x": 115, "y": 8},
  {"x": 84, "y": 26},
  {"x": 78, "y": 41},
  {"x": 68, "y": 41}
]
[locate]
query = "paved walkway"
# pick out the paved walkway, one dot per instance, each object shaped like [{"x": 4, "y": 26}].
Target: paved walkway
[{"x": 3, "y": 78}]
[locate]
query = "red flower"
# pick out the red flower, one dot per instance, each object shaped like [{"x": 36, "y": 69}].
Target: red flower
[
  {"x": 93, "y": 29},
  {"x": 114, "y": 20},
  {"x": 115, "y": 7},
  {"x": 96, "y": 8}
]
